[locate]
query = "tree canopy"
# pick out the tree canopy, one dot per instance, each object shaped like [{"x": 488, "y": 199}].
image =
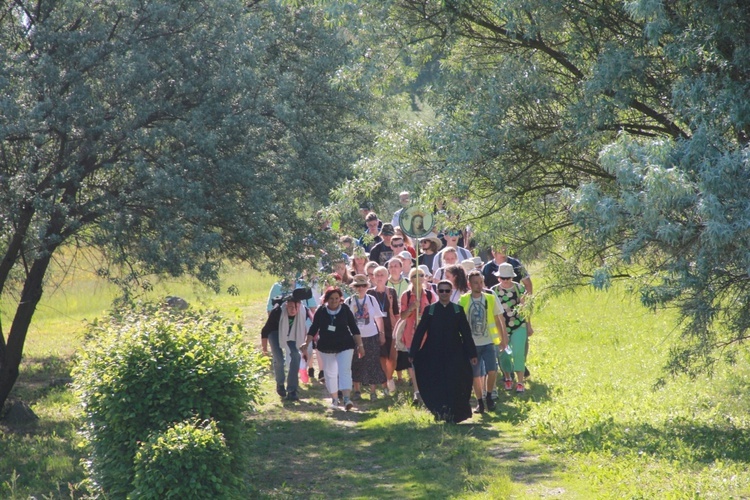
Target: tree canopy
[
  {"x": 609, "y": 135},
  {"x": 168, "y": 135}
]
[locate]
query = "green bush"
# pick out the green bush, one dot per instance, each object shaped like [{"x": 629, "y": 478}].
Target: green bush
[
  {"x": 140, "y": 373},
  {"x": 188, "y": 460}
]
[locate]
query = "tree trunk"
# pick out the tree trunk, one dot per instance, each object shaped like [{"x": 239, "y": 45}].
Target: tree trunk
[{"x": 32, "y": 293}]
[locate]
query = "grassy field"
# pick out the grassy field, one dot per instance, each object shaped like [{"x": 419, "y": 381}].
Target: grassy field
[{"x": 591, "y": 425}]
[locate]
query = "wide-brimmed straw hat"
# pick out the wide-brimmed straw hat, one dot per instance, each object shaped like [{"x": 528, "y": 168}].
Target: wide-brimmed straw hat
[{"x": 433, "y": 237}]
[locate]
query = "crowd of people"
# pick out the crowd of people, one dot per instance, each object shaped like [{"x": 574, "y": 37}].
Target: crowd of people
[{"x": 441, "y": 320}]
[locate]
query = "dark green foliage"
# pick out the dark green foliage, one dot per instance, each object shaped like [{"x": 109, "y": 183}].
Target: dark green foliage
[
  {"x": 141, "y": 373},
  {"x": 188, "y": 460}
]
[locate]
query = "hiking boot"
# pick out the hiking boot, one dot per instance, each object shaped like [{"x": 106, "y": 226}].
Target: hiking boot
[
  {"x": 281, "y": 391},
  {"x": 490, "y": 402},
  {"x": 480, "y": 407},
  {"x": 292, "y": 396}
]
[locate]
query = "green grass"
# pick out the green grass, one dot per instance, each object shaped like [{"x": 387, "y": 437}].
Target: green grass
[{"x": 592, "y": 424}]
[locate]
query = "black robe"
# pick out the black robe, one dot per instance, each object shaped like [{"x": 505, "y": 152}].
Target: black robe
[{"x": 442, "y": 365}]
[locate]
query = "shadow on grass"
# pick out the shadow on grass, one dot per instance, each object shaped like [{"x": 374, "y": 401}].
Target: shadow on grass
[
  {"x": 41, "y": 375},
  {"x": 682, "y": 440},
  {"x": 384, "y": 449}
]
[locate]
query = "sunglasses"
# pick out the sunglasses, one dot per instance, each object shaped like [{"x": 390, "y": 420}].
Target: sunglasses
[
  {"x": 418, "y": 276},
  {"x": 444, "y": 290},
  {"x": 505, "y": 277},
  {"x": 397, "y": 246},
  {"x": 359, "y": 284}
]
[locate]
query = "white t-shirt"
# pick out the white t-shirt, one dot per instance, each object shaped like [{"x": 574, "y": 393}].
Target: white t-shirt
[{"x": 365, "y": 311}]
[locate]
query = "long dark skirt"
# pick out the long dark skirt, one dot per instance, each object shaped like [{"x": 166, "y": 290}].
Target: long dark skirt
[
  {"x": 445, "y": 383},
  {"x": 367, "y": 370}
]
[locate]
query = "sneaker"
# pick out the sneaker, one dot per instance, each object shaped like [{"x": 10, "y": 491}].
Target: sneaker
[
  {"x": 281, "y": 391},
  {"x": 508, "y": 384},
  {"x": 520, "y": 388},
  {"x": 356, "y": 395},
  {"x": 490, "y": 402},
  {"x": 494, "y": 394},
  {"x": 373, "y": 396},
  {"x": 417, "y": 399},
  {"x": 348, "y": 405},
  {"x": 321, "y": 376},
  {"x": 480, "y": 407},
  {"x": 391, "y": 386},
  {"x": 292, "y": 396},
  {"x": 334, "y": 404},
  {"x": 340, "y": 395}
]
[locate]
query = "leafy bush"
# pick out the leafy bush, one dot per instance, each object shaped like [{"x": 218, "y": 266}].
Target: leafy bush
[
  {"x": 141, "y": 372},
  {"x": 188, "y": 460}
]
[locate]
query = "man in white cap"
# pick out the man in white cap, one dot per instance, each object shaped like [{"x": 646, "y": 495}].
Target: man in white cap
[{"x": 407, "y": 260}]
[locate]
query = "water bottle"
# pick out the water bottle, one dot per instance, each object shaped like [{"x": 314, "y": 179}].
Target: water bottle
[{"x": 508, "y": 350}]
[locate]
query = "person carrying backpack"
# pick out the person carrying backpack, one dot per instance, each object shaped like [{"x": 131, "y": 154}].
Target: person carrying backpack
[{"x": 443, "y": 360}]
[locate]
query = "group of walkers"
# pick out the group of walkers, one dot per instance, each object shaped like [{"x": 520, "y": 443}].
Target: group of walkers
[{"x": 450, "y": 321}]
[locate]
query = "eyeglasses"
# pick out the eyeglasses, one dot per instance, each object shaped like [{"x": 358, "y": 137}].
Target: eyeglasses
[{"x": 444, "y": 290}]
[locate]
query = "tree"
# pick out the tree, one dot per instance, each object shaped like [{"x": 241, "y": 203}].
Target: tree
[
  {"x": 611, "y": 135},
  {"x": 168, "y": 135}
]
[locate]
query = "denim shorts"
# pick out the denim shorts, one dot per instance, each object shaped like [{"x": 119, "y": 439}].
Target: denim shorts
[{"x": 487, "y": 360}]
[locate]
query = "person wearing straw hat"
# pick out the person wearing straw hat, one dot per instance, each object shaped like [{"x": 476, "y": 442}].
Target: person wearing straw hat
[
  {"x": 429, "y": 246},
  {"x": 366, "y": 369}
]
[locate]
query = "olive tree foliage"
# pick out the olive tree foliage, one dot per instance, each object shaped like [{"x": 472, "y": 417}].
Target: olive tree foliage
[
  {"x": 609, "y": 135},
  {"x": 168, "y": 135}
]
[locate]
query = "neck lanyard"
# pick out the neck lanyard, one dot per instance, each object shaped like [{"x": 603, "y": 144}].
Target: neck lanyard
[
  {"x": 360, "y": 306},
  {"x": 381, "y": 303}
]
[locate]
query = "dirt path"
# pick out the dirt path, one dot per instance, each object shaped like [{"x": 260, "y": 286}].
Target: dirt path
[{"x": 388, "y": 449}]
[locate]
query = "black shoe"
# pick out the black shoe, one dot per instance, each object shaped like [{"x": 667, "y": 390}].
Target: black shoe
[
  {"x": 311, "y": 372},
  {"x": 341, "y": 395},
  {"x": 321, "y": 376},
  {"x": 490, "y": 402},
  {"x": 281, "y": 391},
  {"x": 526, "y": 373},
  {"x": 480, "y": 407},
  {"x": 292, "y": 396}
]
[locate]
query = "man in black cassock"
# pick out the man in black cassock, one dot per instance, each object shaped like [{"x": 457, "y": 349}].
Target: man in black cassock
[{"x": 443, "y": 364}]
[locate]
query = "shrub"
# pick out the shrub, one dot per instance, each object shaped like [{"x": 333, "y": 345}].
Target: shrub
[
  {"x": 141, "y": 372},
  {"x": 188, "y": 460}
]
